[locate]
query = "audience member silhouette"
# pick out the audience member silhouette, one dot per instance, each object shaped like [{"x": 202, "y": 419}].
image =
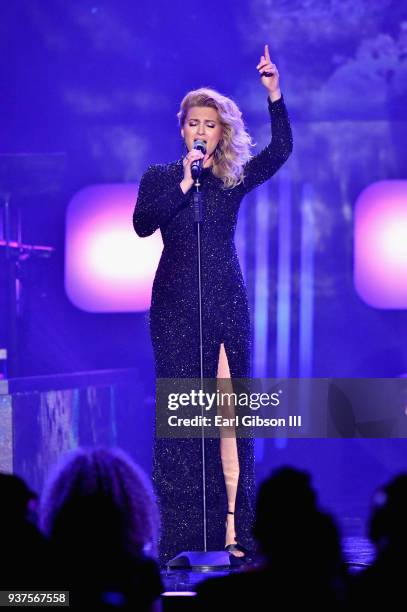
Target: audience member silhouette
[
  {"x": 301, "y": 561},
  {"x": 23, "y": 548},
  {"x": 100, "y": 515},
  {"x": 382, "y": 584}
]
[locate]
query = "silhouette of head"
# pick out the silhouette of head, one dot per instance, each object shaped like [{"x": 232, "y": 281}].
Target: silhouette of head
[
  {"x": 98, "y": 499},
  {"x": 284, "y": 501},
  {"x": 15, "y": 497},
  {"x": 388, "y": 520},
  {"x": 290, "y": 528}
]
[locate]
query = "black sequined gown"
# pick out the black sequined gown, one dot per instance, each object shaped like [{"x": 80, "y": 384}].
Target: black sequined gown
[{"x": 174, "y": 330}]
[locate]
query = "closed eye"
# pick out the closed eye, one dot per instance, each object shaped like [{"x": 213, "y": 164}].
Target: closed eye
[{"x": 195, "y": 123}]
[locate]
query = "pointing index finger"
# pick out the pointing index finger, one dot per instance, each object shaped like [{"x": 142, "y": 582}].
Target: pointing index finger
[{"x": 266, "y": 53}]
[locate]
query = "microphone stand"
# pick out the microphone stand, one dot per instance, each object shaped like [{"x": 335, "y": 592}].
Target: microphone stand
[
  {"x": 198, "y": 218},
  {"x": 200, "y": 560}
]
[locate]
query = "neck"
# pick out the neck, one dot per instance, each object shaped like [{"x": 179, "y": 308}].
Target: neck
[{"x": 209, "y": 161}]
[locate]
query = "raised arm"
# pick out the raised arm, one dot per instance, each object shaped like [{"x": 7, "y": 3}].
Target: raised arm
[
  {"x": 266, "y": 163},
  {"x": 159, "y": 199}
]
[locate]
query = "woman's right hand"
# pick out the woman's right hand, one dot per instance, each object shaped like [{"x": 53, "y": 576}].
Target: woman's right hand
[{"x": 192, "y": 155}]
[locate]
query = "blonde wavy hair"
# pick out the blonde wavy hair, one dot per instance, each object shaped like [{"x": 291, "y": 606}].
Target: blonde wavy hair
[{"x": 233, "y": 149}]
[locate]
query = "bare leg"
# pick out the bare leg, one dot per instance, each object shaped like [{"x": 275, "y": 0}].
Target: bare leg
[{"x": 228, "y": 448}]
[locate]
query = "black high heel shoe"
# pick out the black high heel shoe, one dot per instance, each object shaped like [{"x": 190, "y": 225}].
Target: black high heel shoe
[{"x": 235, "y": 560}]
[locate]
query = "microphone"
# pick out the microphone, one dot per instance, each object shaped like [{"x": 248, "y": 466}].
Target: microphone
[{"x": 196, "y": 166}]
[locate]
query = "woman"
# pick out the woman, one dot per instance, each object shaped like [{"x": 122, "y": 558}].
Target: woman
[{"x": 164, "y": 201}]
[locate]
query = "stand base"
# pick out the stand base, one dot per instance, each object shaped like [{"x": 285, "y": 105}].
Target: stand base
[{"x": 201, "y": 561}]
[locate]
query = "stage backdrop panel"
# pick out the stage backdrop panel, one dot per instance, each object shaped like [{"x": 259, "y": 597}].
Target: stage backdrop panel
[{"x": 43, "y": 417}]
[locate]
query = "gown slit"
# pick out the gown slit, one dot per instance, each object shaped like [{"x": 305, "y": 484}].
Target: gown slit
[{"x": 228, "y": 445}]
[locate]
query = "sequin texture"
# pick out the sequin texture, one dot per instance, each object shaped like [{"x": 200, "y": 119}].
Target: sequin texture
[{"x": 177, "y": 463}]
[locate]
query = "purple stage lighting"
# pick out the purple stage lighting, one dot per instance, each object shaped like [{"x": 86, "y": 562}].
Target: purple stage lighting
[
  {"x": 108, "y": 268},
  {"x": 380, "y": 253}
]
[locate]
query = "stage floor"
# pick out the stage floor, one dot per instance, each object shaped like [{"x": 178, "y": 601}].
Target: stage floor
[{"x": 358, "y": 553}]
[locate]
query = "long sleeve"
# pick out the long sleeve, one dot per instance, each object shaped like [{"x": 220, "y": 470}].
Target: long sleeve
[
  {"x": 262, "y": 166},
  {"x": 159, "y": 199}
]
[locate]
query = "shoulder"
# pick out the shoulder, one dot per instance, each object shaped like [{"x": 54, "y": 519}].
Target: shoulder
[
  {"x": 148, "y": 570},
  {"x": 236, "y": 589},
  {"x": 157, "y": 170},
  {"x": 153, "y": 171},
  {"x": 238, "y": 581},
  {"x": 148, "y": 564}
]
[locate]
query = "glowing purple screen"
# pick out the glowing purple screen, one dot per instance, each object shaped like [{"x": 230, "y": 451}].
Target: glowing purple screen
[
  {"x": 108, "y": 268},
  {"x": 380, "y": 271}
]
